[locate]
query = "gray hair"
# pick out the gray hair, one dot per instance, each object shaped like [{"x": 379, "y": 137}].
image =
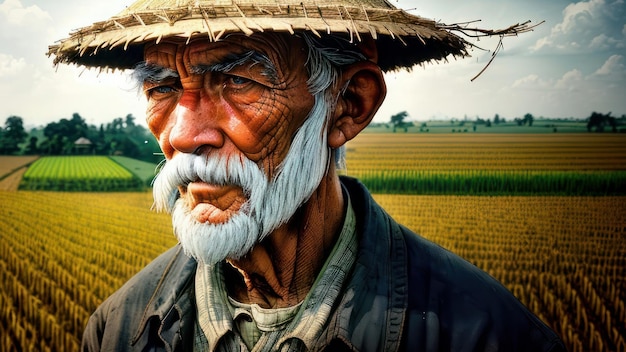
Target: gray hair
[{"x": 325, "y": 59}]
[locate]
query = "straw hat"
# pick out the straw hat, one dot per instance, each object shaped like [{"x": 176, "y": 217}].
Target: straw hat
[{"x": 403, "y": 40}]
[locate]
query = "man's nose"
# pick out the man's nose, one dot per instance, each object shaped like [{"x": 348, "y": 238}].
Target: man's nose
[{"x": 196, "y": 125}]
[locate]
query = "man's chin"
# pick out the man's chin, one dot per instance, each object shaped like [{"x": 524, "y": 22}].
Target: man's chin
[{"x": 212, "y": 242}]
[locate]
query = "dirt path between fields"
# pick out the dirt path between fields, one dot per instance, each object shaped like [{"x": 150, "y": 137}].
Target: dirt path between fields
[{"x": 12, "y": 181}]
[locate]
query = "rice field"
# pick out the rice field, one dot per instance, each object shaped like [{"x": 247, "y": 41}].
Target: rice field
[
  {"x": 457, "y": 152},
  {"x": 564, "y": 256},
  {"x": 474, "y": 164}
]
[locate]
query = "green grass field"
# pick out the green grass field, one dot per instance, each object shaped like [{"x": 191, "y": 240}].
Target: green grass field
[
  {"x": 144, "y": 170},
  {"x": 79, "y": 174}
]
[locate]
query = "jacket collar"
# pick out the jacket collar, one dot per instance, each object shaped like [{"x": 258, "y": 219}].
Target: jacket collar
[{"x": 170, "y": 308}]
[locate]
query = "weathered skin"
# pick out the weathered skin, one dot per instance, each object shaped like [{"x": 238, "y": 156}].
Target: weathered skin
[{"x": 244, "y": 112}]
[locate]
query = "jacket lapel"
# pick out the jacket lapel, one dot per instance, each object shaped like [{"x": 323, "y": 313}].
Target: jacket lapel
[{"x": 371, "y": 314}]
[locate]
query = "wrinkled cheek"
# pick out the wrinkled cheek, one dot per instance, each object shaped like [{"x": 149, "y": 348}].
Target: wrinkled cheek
[
  {"x": 267, "y": 140},
  {"x": 249, "y": 140},
  {"x": 154, "y": 119},
  {"x": 159, "y": 124}
]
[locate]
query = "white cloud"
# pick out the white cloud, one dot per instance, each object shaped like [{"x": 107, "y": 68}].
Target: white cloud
[
  {"x": 570, "y": 80},
  {"x": 574, "y": 93},
  {"x": 612, "y": 67},
  {"x": 532, "y": 81},
  {"x": 12, "y": 12},
  {"x": 10, "y": 66},
  {"x": 602, "y": 42},
  {"x": 24, "y": 30},
  {"x": 587, "y": 26}
]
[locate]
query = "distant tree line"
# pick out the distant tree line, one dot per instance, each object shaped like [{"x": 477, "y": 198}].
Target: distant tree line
[
  {"x": 123, "y": 137},
  {"x": 597, "y": 122},
  {"x": 74, "y": 136}
]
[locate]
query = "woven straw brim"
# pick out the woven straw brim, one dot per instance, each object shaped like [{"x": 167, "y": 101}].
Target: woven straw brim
[{"x": 403, "y": 40}]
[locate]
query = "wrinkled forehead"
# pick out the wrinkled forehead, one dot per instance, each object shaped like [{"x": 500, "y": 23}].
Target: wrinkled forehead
[{"x": 285, "y": 52}]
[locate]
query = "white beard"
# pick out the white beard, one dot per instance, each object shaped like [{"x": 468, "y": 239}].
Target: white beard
[{"x": 269, "y": 204}]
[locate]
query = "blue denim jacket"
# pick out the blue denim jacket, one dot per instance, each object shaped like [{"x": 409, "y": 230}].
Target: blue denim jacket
[{"x": 404, "y": 294}]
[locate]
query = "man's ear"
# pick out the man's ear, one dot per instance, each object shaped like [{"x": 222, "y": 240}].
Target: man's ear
[{"x": 364, "y": 91}]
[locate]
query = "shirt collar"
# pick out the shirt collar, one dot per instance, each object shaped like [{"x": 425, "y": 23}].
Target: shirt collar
[{"x": 214, "y": 318}]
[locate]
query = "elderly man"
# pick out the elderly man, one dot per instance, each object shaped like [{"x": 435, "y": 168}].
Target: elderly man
[{"x": 252, "y": 104}]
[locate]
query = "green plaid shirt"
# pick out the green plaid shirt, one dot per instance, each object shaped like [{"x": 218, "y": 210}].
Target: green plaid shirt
[{"x": 226, "y": 325}]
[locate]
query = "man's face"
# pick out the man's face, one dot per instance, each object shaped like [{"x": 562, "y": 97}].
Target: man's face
[
  {"x": 226, "y": 116},
  {"x": 241, "y": 96}
]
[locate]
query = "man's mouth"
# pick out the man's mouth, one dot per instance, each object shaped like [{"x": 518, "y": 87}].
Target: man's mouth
[{"x": 211, "y": 203}]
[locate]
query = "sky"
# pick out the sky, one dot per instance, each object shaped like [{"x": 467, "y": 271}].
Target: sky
[{"x": 570, "y": 66}]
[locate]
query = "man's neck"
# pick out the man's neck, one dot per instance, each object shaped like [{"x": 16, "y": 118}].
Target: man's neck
[{"x": 280, "y": 271}]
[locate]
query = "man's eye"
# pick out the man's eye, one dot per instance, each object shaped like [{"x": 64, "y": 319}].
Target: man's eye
[
  {"x": 161, "y": 90},
  {"x": 238, "y": 80}
]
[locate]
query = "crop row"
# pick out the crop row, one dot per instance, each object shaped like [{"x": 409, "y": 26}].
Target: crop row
[
  {"x": 370, "y": 152},
  {"x": 79, "y": 173},
  {"x": 516, "y": 164},
  {"x": 495, "y": 182},
  {"x": 62, "y": 254},
  {"x": 76, "y": 167}
]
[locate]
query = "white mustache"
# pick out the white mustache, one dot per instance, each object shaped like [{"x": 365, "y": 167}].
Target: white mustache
[{"x": 213, "y": 169}]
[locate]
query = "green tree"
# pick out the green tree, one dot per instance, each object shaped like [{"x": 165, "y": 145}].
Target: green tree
[
  {"x": 31, "y": 147},
  {"x": 599, "y": 121},
  {"x": 12, "y": 135},
  {"x": 121, "y": 136},
  {"x": 528, "y": 119},
  {"x": 130, "y": 121},
  {"x": 397, "y": 120},
  {"x": 62, "y": 135}
]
